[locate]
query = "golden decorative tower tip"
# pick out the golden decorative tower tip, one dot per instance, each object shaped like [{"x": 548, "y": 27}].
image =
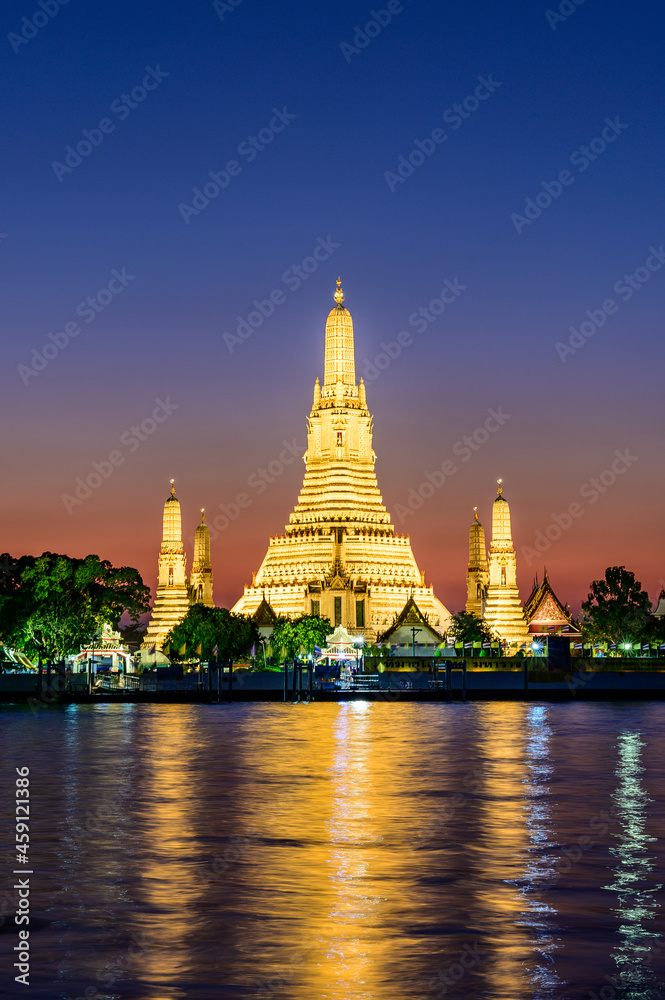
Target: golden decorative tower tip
[{"x": 339, "y": 294}]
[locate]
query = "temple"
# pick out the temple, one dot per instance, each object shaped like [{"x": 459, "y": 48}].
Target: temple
[
  {"x": 544, "y": 612},
  {"x": 339, "y": 555},
  {"x": 175, "y": 593},
  {"x": 503, "y": 611},
  {"x": 477, "y": 576}
]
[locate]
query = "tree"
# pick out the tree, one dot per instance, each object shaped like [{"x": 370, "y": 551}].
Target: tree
[
  {"x": 52, "y": 605},
  {"x": 232, "y": 634},
  {"x": 616, "y": 610},
  {"x": 465, "y": 626},
  {"x": 291, "y": 635}
]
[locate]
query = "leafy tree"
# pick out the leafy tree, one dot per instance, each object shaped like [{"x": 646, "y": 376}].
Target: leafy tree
[
  {"x": 52, "y": 605},
  {"x": 291, "y": 635},
  {"x": 233, "y": 634},
  {"x": 617, "y": 609},
  {"x": 465, "y": 626}
]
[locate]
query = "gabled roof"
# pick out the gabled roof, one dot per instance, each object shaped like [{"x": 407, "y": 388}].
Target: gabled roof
[
  {"x": 409, "y": 616},
  {"x": 660, "y": 607},
  {"x": 544, "y": 605},
  {"x": 264, "y": 614}
]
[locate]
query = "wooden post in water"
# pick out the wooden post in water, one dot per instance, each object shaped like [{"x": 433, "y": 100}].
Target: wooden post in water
[
  {"x": 464, "y": 681},
  {"x": 526, "y": 674},
  {"x": 230, "y": 680},
  {"x": 286, "y": 682}
]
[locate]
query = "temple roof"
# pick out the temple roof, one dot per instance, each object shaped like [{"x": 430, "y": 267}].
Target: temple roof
[
  {"x": 409, "y": 616},
  {"x": 543, "y": 604},
  {"x": 264, "y": 614},
  {"x": 660, "y": 607}
]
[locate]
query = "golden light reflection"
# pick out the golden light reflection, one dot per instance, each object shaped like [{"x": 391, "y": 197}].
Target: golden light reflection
[
  {"x": 504, "y": 841},
  {"x": 170, "y": 896}
]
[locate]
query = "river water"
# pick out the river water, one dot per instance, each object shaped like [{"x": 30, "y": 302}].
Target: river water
[{"x": 351, "y": 851}]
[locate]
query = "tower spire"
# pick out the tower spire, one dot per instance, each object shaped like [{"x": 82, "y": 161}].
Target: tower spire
[
  {"x": 339, "y": 365},
  {"x": 477, "y": 575},
  {"x": 503, "y": 609}
]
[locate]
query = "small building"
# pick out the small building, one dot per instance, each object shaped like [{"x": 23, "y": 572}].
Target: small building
[
  {"x": 411, "y": 633},
  {"x": 546, "y": 615},
  {"x": 107, "y": 654},
  {"x": 265, "y": 618}
]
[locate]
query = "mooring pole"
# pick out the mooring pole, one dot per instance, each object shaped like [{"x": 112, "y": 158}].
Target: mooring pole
[{"x": 286, "y": 681}]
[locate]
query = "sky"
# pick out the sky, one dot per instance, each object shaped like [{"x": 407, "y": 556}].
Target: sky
[{"x": 168, "y": 167}]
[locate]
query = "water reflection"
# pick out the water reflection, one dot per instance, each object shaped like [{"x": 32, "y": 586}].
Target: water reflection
[
  {"x": 503, "y": 840},
  {"x": 633, "y": 876},
  {"x": 539, "y": 860},
  {"x": 343, "y": 851}
]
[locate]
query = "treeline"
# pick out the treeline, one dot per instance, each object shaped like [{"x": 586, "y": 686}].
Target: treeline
[{"x": 51, "y": 605}]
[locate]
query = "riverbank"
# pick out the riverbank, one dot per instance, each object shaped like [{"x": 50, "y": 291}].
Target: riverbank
[{"x": 464, "y": 680}]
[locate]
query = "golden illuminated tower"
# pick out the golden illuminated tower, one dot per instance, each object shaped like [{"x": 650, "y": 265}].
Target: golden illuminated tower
[
  {"x": 172, "y": 598},
  {"x": 339, "y": 555},
  {"x": 201, "y": 578},
  {"x": 503, "y": 609},
  {"x": 477, "y": 576}
]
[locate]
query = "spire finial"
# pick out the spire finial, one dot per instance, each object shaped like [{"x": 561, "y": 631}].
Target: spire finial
[
  {"x": 173, "y": 487},
  {"x": 203, "y": 515},
  {"x": 475, "y": 513},
  {"x": 499, "y": 492},
  {"x": 339, "y": 294}
]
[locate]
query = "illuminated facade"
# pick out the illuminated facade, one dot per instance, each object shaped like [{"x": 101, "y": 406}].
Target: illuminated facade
[
  {"x": 503, "y": 609},
  {"x": 477, "y": 576},
  {"x": 339, "y": 555},
  {"x": 175, "y": 593}
]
